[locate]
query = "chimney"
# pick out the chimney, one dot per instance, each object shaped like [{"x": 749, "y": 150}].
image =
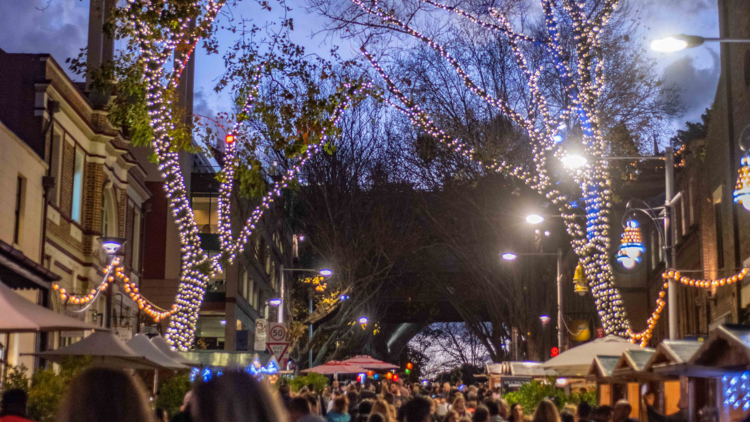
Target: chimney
[{"x": 101, "y": 48}]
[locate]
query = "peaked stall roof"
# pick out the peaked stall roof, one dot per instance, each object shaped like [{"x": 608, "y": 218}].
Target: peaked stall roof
[{"x": 603, "y": 365}]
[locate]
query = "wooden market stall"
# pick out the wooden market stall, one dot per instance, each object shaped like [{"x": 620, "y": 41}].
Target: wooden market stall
[
  {"x": 725, "y": 358},
  {"x": 629, "y": 371},
  {"x": 607, "y": 391},
  {"x": 669, "y": 361},
  {"x": 510, "y": 376}
]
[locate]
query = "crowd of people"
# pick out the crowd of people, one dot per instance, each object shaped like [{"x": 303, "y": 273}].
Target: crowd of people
[{"x": 101, "y": 394}]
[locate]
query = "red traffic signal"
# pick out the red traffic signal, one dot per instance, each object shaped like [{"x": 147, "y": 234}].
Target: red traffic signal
[
  {"x": 409, "y": 366},
  {"x": 554, "y": 352}
]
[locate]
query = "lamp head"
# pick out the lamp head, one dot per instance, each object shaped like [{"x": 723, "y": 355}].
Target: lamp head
[
  {"x": 676, "y": 43},
  {"x": 325, "y": 273},
  {"x": 574, "y": 161},
  {"x": 112, "y": 244},
  {"x": 544, "y": 318},
  {"x": 509, "y": 256},
  {"x": 534, "y": 219},
  {"x": 275, "y": 301},
  {"x": 363, "y": 320}
]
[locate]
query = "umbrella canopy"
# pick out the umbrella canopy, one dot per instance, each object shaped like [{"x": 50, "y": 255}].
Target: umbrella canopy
[
  {"x": 105, "y": 349},
  {"x": 165, "y": 348},
  {"x": 143, "y": 346},
  {"x": 576, "y": 362},
  {"x": 368, "y": 362},
  {"x": 336, "y": 367},
  {"x": 18, "y": 315}
]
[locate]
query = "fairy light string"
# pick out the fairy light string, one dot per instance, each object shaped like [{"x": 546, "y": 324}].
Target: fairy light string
[{"x": 645, "y": 335}]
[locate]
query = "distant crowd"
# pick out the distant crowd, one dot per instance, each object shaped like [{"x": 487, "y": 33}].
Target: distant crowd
[{"x": 110, "y": 395}]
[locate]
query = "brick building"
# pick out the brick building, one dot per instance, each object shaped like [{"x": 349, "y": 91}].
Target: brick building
[{"x": 95, "y": 186}]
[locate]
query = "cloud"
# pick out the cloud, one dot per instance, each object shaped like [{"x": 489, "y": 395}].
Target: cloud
[
  {"x": 58, "y": 27},
  {"x": 698, "y": 84}
]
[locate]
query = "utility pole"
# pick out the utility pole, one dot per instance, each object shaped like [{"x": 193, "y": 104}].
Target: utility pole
[
  {"x": 560, "y": 322},
  {"x": 669, "y": 235}
]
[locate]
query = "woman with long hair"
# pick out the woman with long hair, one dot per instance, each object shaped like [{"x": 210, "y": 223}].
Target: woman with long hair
[
  {"x": 459, "y": 406},
  {"x": 103, "y": 394},
  {"x": 516, "y": 413},
  {"x": 546, "y": 412},
  {"x": 233, "y": 397},
  {"x": 382, "y": 408}
]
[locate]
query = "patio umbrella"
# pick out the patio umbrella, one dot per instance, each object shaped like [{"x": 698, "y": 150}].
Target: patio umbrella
[
  {"x": 165, "y": 348},
  {"x": 336, "y": 367},
  {"x": 576, "y": 362},
  {"x": 105, "y": 349},
  {"x": 143, "y": 346},
  {"x": 18, "y": 315},
  {"x": 368, "y": 362}
]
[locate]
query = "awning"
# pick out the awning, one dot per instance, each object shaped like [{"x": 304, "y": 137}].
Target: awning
[
  {"x": 336, "y": 367},
  {"x": 21, "y": 272},
  {"x": 368, "y": 362},
  {"x": 105, "y": 349},
  {"x": 165, "y": 348},
  {"x": 20, "y": 315},
  {"x": 576, "y": 362},
  {"x": 143, "y": 346}
]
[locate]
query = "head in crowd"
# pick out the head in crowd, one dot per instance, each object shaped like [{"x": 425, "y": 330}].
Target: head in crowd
[
  {"x": 103, "y": 394},
  {"x": 567, "y": 417},
  {"x": 446, "y": 387},
  {"x": 382, "y": 408},
  {"x": 583, "y": 411},
  {"x": 341, "y": 405},
  {"x": 481, "y": 414},
  {"x": 14, "y": 403},
  {"x": 602, "y": 414},
  {"x": 459, "y": 405},
  {"x": 377, "y": 417},
  {"x": 546, "y": 412},
  {"x": 388, "y": 397},
  {"x": 493, "y": 407},
  {"x": 365, "y": 407},
  {"x": 314, "y": 404},
  {"x": 233, "y": 397},
  {"x": 516, "y": 413},
  {"x": 622, "y": 411},
  {"x": 416, "y": 410},
  {"x": 298, "y": 408},
  {"x": 451, "y": 416},
  {"x": 353, "y": 398},
  {"x": 504, "y": 408}
]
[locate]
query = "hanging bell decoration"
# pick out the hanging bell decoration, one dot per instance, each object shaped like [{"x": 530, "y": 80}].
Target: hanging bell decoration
[
  {"x": 742, "y": 189},
  {"x": 579, "y": 281}
]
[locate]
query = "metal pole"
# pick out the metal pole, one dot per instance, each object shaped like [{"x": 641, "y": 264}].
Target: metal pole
[
  {"x": 311, "y": 332},
  {"x": 108, "y": 306},
  {"x": 559, "y": 302},
  {"x": 282, "y": 305},
  {"x": 670, "y": 251}
]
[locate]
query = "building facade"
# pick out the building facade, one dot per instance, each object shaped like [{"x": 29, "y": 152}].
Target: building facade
[{"x": 86, "y": 185}]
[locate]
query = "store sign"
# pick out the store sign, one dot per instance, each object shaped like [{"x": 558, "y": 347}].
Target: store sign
[{"x": 261, "y": 335}]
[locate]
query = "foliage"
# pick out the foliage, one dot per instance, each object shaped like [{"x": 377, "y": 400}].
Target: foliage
[
  {"x": 46, "y": 388},
  {"x": 172, "y": 392},
  {"x": 317, "y": 380},
  {"x": 532, "y": 393},
  {"x": 692, "y": 131},
  {"x": 16, "y": 378}
]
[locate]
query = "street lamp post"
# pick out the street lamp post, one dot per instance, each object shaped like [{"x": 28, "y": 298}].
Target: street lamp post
[
  {"x": 670, "y": 256},
  {"x": 324, "y": 273},
  {"x": 111, "y": 245},
  {"x": 510, "y": 256},
  {"x": 681, "y": 42}
]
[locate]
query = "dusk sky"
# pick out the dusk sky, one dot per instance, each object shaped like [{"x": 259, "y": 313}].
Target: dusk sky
[{"x": 26, "y": 26}]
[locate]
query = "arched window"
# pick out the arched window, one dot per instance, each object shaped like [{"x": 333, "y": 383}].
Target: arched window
[{"x": 109, "y": 216}]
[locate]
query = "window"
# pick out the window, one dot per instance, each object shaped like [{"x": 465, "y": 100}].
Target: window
[
  {"x": 718, "y": 229},
  {"x": 206, "y": 210},
  {"x": 17, "y": 225},
  {"x": 57, "y": 144},
  {"x": 107, "y": 218},
  {"x": 136, "y": 239},
  {"x": 75, "y": 211}
]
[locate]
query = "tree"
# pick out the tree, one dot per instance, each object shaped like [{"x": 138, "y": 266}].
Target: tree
[
  {"x": 447, "y": 346},
  {"x": 549, "y": 83},
  {"x": 273, "y": 81}
]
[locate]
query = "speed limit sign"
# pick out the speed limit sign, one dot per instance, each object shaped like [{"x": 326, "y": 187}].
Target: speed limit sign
[{"x": 277, "y": 332}]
